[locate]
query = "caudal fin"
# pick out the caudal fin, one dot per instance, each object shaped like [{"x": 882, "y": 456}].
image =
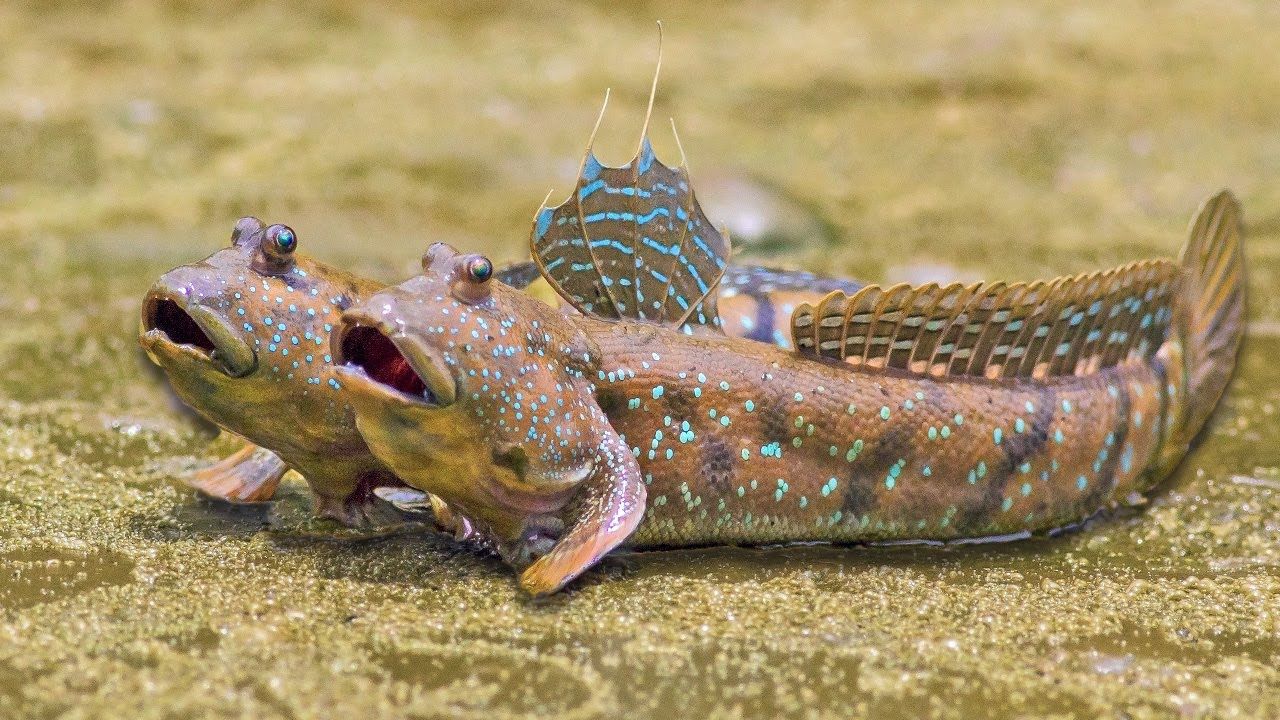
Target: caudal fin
[{"x": 1210, "y": 308}]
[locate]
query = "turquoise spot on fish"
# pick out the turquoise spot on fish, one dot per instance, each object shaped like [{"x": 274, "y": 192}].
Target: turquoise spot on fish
[
  {"x": 1019, "y": 425},
  {"x": 884, "y": 412},
  {"x": 749, "y": 405},
  {"x": 1008, "y": 503},
  {"x": 1057, "y": 436},
  {"x": 657, "y": 392},
  {"x": 997, "y": 435}
]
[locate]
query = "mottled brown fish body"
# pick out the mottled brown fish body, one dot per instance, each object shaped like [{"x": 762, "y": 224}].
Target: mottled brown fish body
[
  {"x": 744, "y": 443},
  {"x": 286, "y": 398},
  {"x": 905, "y": 413}
]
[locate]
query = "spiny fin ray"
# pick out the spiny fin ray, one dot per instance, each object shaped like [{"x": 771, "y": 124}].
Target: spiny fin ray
[
  {"x": 1066, "y": 326},
  {"x": 632, "y": 242}
]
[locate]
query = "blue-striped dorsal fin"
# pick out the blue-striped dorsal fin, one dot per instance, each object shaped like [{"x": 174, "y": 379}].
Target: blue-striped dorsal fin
[
  {"x": 631, "y": 242},
  {"x": 1067, "y": 326}
]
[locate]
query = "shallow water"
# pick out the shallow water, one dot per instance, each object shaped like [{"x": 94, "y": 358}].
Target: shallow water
[{"x": 998, "y": 140}]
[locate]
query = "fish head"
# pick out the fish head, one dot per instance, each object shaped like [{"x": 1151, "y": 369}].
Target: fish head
[
  {"x": 244, "y": 333},
  {"x": 471, "y": 390}
]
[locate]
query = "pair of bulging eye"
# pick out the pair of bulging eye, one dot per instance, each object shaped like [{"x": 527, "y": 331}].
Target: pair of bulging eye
[
  {"x": 278, "y": 242},
  {"x": 275, "y": 244},
  {"x": 469, "y": 274}
]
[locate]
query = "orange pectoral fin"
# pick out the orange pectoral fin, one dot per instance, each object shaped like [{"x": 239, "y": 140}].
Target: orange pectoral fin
[
  {"x": 250, "y": 475},
  {"x": 608, "y": 509}
]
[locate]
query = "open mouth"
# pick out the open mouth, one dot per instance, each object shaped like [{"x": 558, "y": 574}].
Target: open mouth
[
  {"x": 169, "y": 318},
  {"x": 197, "y": 333},
  {"x": 369, "y": 349}
]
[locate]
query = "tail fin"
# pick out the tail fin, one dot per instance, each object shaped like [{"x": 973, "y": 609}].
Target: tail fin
[{"x": 1210, "y": 310}]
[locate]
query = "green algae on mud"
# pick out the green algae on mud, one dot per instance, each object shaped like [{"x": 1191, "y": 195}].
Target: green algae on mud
[{"x": 997, "y": 139}]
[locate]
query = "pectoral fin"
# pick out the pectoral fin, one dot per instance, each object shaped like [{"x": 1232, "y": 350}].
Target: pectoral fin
[
  {"x": 607, "y": 510},
  {"x": 413, "y": 501},
  {"x": 249, "y": 475}
]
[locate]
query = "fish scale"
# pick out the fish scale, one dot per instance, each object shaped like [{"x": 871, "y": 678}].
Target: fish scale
[{"x": 817, "y": 452}]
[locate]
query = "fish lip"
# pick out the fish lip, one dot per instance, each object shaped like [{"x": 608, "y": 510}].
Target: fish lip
[
  {"x": 424, "y": 360},
  {"x": 354, "y": 377},
  {"x": 231, "y": 354}
]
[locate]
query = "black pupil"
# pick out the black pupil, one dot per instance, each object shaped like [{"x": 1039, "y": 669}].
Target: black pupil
[{"x": 481, "y": 269}]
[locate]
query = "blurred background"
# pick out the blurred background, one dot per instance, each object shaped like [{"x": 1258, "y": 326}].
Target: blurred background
[{"x": 906, "y": 140}]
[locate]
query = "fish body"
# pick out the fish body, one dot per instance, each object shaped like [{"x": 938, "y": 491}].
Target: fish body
[
  {"x": 740, "y": 443},
  {"x": 904, "y": 413},
  {"x": 243, "y": 337}
]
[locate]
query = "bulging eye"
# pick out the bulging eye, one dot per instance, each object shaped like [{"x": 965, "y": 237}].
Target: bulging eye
[
  {"x": 284, "y": 239},
  {"x": 470, "y": 278},
  {"x": 480, "y": 269},
  {"x": 275, "y": 253}
]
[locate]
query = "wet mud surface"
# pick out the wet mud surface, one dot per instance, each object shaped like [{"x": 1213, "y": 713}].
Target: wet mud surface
[{"x": 1000, "y": 140}]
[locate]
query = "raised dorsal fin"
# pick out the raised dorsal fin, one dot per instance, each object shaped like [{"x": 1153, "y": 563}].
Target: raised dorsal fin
[
  {"x": 1069, "y": 325},
  {"x": 632, "y": 242}
]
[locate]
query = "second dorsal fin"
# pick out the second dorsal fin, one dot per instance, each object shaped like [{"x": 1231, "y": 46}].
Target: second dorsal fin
[
  {"x": 1069, "y": 325},
  {"x": 632, "y": 242}
]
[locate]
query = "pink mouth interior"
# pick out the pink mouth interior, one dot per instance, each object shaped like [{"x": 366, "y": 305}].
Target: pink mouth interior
[{"x": 369, "y": 349}]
